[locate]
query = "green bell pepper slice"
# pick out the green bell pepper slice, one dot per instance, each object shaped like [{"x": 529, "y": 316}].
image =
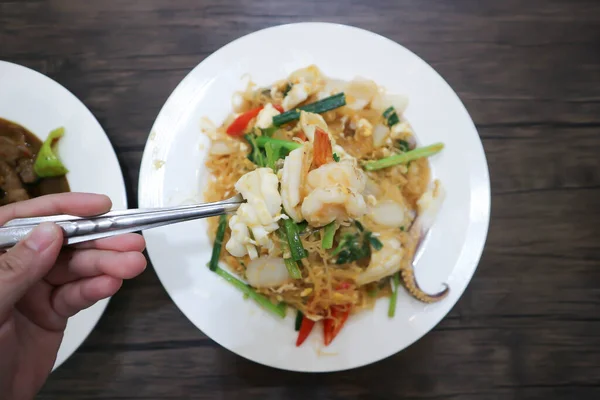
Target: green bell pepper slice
[{"x": 47, "y": 164}]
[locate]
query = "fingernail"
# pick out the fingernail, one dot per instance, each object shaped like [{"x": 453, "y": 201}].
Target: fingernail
[{"x": 41, "y": 237}]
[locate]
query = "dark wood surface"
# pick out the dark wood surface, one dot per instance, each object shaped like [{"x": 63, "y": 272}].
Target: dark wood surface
[{"x": 528, "y": 326}]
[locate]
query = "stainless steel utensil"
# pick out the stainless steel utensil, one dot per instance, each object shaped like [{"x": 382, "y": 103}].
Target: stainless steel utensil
[{"x": 78, "y": 229}]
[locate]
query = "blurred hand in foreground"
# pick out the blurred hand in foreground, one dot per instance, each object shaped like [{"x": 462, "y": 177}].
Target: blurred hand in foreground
[{"x": 43, "y": 284}]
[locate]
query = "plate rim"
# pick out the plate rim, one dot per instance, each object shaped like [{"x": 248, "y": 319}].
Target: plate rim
[
  {"x": 102, "y": 304},
  {"x": 484, "y": 196}
]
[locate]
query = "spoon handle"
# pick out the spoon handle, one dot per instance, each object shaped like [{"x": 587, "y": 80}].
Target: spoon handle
[{"x": 77, "y": 229}]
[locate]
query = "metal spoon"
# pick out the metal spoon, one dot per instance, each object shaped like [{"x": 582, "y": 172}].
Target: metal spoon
[{"x": 78, "y": 229}]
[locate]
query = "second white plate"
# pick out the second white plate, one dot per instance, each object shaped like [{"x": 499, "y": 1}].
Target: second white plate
[
  {"x": 173, "y": 173},
  {"x": 40, "y": 104}
]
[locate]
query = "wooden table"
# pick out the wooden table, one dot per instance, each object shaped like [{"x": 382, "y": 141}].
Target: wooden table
[{"x": 527, "y": 327}]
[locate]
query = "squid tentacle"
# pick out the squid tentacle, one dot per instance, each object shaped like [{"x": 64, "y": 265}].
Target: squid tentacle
[{"x": 410, "y": 283}]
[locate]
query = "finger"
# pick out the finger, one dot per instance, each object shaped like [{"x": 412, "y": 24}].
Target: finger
[
  {"x": 73, "y": 297},
  {"x": 125, "y": 242},
  {"x": 35, "y": 304},
  {"x": 73, "y": 265},
  {"x": 26, "y": 263},
  {"x": 80, "y": 204}
]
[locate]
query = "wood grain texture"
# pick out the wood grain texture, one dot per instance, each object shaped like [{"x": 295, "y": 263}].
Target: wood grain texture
[{"x": 528, "y": 326}]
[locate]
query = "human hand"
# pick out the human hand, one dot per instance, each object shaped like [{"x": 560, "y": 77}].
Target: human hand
[{"x": 43, "y": 284}]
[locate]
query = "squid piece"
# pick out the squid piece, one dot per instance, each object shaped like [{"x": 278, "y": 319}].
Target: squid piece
[{"x": 428, "y": 205}]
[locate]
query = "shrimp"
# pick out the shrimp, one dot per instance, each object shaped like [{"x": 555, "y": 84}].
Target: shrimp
[
  {"x": 310, "y": 122},
  {"x": 323, "y": 153},
  {"x": 333, "y": 190},
  {"x": 259, "y": 214},
  {"x": 323, "y": 206},
  {"x": 334, "y": 193}
]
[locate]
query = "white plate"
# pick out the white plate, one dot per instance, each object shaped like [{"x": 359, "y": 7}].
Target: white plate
[
  {"x": 40, "y": 105},
  {"x": 180, "y": 252}
]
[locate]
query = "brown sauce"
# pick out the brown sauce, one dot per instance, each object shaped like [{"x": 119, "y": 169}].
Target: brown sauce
[{"x": 18, "y": 181}]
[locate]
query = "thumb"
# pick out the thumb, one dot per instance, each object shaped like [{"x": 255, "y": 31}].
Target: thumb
[{"x": 26, "y": 263}]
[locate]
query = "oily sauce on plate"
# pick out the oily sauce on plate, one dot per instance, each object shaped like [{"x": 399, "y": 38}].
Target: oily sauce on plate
[{"x": 18, "y": 181}]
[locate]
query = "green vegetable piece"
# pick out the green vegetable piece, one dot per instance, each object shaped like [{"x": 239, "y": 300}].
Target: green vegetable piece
[
  {"x": 272, "y": 151},
  {"x": 256, "y": 155},
  {"x": 302, "y": 226},
  {"x": 47, "y": 164},
  {"x": 389, "y": 111},
  {"x": 391, "y": 116},
  {"x": 355, "y": 246},
  {"x": 318, "y": 107},
  {"x": 375, "y": 243},
  {"x": 269, "y": 131},
  {"x": 336, "y": 158},
  {"x": 216, "y": 253},
  {"x": 394, "y": 298},
  {"x": 292, "y": 267},
  {"x": 283, "y": 306},
  {"x": 404, "y": 158},
  {"x": 328, "y": 234},
  {"x": 359, "y": 225},
  {"x": 277, "y": 309},
  {"x": 289, "y": 145},
  {"x": 293, "y": 238},
  {"x": 348, "y": 237},
  {"x": 393, "y": 120},
  {"x": 290, "y": 264},
  {"x": 287, "y": 89},
  {"x": 403, "y": 145},
  {"x": 298, "y": 322}
]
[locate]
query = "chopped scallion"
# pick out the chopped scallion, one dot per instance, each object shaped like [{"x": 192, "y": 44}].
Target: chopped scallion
[
  {"x": 216, "y": 252},
  {"x": 328, "y": 234},
  {"x": 277, "y": 309},
  {"x": 318, "y": 107},
  {"x": 391, "y": 116},
  {"x": 290, "y": 264},
  {"x": 296, "y": 249},
  {"x": 404, "y": 158},
  {"x": 394, "y": 298}
]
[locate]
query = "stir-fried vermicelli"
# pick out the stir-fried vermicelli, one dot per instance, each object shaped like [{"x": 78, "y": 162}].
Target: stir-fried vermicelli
[{"x": 337, "y": 194}]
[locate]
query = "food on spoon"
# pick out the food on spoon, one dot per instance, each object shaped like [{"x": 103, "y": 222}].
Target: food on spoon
[{"x": 338, "y": 195}]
